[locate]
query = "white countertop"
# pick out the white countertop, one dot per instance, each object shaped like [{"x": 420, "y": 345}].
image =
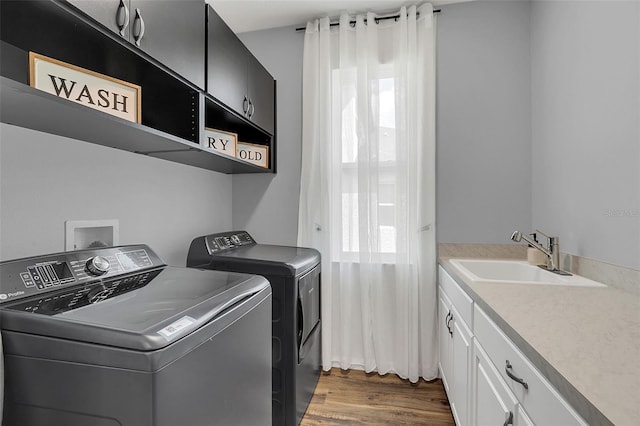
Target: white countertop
[{"x": 586, "y": 341}]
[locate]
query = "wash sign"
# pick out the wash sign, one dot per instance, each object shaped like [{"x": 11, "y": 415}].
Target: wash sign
[{"x": 88, "y": 88}]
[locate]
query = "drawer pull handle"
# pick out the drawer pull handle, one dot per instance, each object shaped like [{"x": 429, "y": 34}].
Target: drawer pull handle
[
  {"x": 245, "y": 105},
  {"x": 450, "y": 315},
  {"x": 138, "y": 27},
  {"x": 515, "y": 378},
  {"x": 509, "y": 419},
  {"x": 122, "y": 17}
]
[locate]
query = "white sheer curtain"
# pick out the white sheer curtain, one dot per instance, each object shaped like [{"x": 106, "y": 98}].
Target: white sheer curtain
[{"x": 367, "y": 197}]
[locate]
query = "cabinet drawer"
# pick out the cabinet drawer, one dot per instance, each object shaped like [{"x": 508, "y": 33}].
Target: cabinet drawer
[
  {"x": 462, "y": 302},
  {"x": 540, "y": 400},
  {"x": 492, "y": 402}
]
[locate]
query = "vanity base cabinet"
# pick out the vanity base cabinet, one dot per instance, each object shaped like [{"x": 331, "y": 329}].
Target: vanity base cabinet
[
  {"x": 455, "y": 341},
  {"x": 444, "y": 340},
  {"x": 488, "y": 380},
  {"x": 492, "y": 402},
  {"x": 543, "y": 404}
]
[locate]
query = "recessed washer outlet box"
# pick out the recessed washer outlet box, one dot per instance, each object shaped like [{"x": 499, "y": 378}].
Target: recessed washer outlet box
[{"x": 82, "y": 234}]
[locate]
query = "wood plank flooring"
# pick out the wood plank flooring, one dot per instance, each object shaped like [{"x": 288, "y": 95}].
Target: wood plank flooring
[{"x": 352, "y": 397}]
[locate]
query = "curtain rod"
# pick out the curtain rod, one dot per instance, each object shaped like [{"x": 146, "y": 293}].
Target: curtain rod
[{"x": 383, "y": 18}]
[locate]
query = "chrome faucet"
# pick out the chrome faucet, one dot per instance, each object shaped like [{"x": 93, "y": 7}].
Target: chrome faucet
[{"x": 552, "y": 251}]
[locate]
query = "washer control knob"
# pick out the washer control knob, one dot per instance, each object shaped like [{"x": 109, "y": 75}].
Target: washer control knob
[
  {"x": 235, "y": 240},
  {"x": 98, "y": 265}
]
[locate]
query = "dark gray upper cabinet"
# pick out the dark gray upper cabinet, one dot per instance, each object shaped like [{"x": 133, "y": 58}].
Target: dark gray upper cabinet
[
  {"x": 262, "y": 95},
  {"x": 170, "y": 31},
  {"x": 235, "y": 77},
  {"x": 174, "y": 112},
  {"x": 226, "y": 64}
]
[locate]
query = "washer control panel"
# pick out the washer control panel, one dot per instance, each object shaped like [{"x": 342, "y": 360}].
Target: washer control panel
[
  {"x": 57, "y": 302},
  {"x": 25, "y": 277},
  {"x": 217, "y": 243}
]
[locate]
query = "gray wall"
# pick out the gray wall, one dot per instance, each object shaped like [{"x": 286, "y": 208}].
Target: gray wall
[
  {"x": 537, "y": 127},
  {"x": 484, "y": 169},
  {"x": 48, "y": 179},
  {"x": 586, "y": 127},
  {"x": 483, "y": 179},
  {"x": 537, "y": 121},
  {"x": 267, "y": 205}
]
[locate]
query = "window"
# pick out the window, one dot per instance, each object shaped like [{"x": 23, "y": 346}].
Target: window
[{"x": 365, "y": 204}]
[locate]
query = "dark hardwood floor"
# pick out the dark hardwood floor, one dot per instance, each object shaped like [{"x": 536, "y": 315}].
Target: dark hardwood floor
[{"x": 352, "y": 397}]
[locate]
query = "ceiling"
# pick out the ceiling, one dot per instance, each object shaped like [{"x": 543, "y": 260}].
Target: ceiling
[{"x": 252, "y": 15}]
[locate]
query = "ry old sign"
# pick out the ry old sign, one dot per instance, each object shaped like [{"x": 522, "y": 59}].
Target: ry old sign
[
  {"x": 97, "y": 91},
  {"x": 227, "y": 143}
]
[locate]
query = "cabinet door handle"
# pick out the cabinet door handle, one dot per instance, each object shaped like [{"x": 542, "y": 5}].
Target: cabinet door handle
[
  {"x": 448, "y": 322},
  {"x": 300, "y": 321},
  {"x": 245, "y": 105},
  {"x": 122, "y": 17},
  {"x": 507, "y": 369},
  {"x": 509, "y": 419},
  {"x": 252, "y": 108},
  {"x": 138, "y": 27}
]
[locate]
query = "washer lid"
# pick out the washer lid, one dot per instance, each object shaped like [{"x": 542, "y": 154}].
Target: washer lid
[
  {"x": 174, "y": 303},
  {"x": 268, "y": 259}
]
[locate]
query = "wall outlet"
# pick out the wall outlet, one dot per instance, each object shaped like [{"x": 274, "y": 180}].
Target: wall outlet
[{"x": 82, "y": 234}]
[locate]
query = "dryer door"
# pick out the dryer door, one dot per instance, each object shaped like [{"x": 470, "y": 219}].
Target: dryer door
[{"x": 308, "y": 304}]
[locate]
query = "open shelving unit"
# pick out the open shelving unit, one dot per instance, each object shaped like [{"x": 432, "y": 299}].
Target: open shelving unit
[
  {"x": 174, "y": 112},
  {"x": 24, "y": 106}
]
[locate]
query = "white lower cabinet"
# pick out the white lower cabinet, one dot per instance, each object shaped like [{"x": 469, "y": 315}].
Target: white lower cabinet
[
  {"x": 444, "y": 340},
  {"x": 461, "y": 360},
  {"x": 542, "y": 403},
  {"x": 488, "y": 380},
  {"x": 455, "y": 340},
  {"x": 492, "y": 402}
]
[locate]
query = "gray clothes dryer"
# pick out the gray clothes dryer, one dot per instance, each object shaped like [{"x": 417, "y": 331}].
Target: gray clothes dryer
[
  {"x": 295, "y": 278},
  {"x": 113, "y": 336}
]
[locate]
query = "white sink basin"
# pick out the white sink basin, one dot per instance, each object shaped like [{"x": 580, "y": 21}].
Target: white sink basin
[{"x": 516, "y": 272}]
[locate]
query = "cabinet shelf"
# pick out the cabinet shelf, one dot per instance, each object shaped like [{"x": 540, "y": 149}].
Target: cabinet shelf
[
  {"x": 218, "y": 116},
  {"x": 24, "y": 106},
  {"x": 173, "y": 110}
]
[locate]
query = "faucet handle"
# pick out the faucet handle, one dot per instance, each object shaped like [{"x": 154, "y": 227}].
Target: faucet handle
[
  {"x": 542, "y": 233},
  {"x": 545, "y": 235},
  {"x": 553, "y": 241}
]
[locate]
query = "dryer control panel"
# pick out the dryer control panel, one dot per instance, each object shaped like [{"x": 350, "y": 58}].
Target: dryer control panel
[
  {"x": 34, "y": 275},
  {"x": 227, "y": 241}
]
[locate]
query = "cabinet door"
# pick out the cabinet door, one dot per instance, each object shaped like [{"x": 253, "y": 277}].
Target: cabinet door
[
  {"x": 226, "y": 64},
  {"x": 261, "y": 95},
  {"x": 521, "y": 418},
  {"x": 108, "y": 13},
  {"x": 174, "y": 31},
  {"x": 174, "y": 34},
  {"x": 491, "y": 402},
  {"x": 460, "y": 362},
  {"x": 444, "y": 341}
]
